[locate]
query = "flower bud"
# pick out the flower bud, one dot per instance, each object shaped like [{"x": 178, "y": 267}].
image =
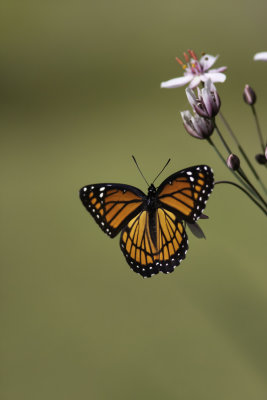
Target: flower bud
[
  {"x": 200, "y": 128},
  {"x": 207, "y": 104},
  {"x": 233, "y": 162},
  {"x": 249, "y": 95},
  {"x": 261, "y": 158},
  {"x": 266, "y": 153}
]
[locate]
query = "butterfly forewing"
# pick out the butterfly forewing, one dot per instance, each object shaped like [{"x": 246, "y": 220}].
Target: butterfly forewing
[
  {"x": 147, "y": 256},
  {"x": 185, "y": 193},
  {"x": 112, "y": 205}
]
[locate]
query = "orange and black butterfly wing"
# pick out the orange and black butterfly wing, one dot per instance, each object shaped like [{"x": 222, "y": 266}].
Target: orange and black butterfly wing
[
  {"x": 112, "y": 205},
  {"x": 146, "y": 252},
  {"x": 185, "y": 193}
]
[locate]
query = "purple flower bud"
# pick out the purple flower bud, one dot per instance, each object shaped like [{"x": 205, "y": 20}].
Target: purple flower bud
[
  {"x": 207, "y": 103},
  {"x": 261, "y": 158},
  {"x": 249, "y": 95},
  {"x": 200, "y": 128},
  {"x": 233, "y": 162}
]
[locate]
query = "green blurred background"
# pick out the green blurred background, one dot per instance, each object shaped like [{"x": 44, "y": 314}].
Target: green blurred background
[{"x": 79, "y": 95}]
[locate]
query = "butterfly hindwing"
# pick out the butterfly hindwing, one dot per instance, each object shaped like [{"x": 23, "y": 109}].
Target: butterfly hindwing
[
  {"x": 185, "y": 193},
  {"x": 112, "y": 205},
  {"x": 147, "y": 255}
]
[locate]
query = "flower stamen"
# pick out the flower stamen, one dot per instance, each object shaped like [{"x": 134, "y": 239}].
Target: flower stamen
[
  {"x": 193, "y": 54},
  {"x": 179, "y": 61},
  {"x": 186, "y": 57}
]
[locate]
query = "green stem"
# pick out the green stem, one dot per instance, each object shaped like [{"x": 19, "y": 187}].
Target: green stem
[
  {"x": 242, "y": 174},
  {"x": 230, "y": 152},
  {"x": 223, "y": 160},
  {"x": 242, "y": 151},
  {"x": 258, "y": 127},
  {"x": 222, "y": 139},
  {"x": 243, "y": 190}
]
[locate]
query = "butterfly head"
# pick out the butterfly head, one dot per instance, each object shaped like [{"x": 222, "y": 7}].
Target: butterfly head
[
  {"x": 151, "y": 190},
  {"x": 151, "y": 197}
]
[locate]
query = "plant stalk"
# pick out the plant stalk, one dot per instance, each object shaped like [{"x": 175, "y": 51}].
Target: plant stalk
[
  {"x": 258, "y": 127},
  {"x": 244, "y": 190}
]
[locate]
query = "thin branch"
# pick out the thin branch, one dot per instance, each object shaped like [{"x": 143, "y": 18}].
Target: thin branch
[
  {"x": 258, "y": 127},
  {"x": 243, "y": 175},
  {"x": 242, "y": 151},
  {"x": 243, "y": 190},
  {"x": 224, "y": 162},
  {"x": 222, "y": 139}
]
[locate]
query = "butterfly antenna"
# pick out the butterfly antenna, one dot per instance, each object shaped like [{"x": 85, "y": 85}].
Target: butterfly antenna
[
  {"x": 162, "y": 170},
  {"x": 140, "y": 170}
]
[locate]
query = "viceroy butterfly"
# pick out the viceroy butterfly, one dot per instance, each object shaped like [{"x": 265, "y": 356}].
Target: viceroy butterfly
[{"x": 153, "y": 236}]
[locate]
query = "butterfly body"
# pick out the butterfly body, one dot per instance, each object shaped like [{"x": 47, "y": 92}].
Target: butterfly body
[
  {"x": 153, "y": 236},
  {"x": 150, "y": 205}
]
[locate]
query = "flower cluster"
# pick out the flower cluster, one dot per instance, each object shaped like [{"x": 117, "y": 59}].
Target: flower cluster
[
  {"x": 202, "y": 122},
  {"x": 196, "y": 71}
]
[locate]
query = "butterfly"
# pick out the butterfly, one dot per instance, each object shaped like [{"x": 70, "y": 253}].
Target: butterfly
[{"x": 153, "y": 236}]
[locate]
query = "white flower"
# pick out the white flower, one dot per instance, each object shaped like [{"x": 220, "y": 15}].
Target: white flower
[
  {"x": 196, "y": 71},
  {"x": 260, "y": 56}
]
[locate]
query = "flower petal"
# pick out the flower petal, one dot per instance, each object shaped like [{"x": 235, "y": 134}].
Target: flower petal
[
  {"x": 176, "y": 82},
  {"x": 220, "y": 69},
  {"x": 216, "y": 97},
  {"x": 207, "y": 61},
  {"x": 188, "y": 124},
  {"x": 213, "y": 76},
  {"x": 195, "y": 82},
  {"x": 191, "y": 97},
  {"x": 260, "y": 56},
  {"x": 206, "y": 98}
]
